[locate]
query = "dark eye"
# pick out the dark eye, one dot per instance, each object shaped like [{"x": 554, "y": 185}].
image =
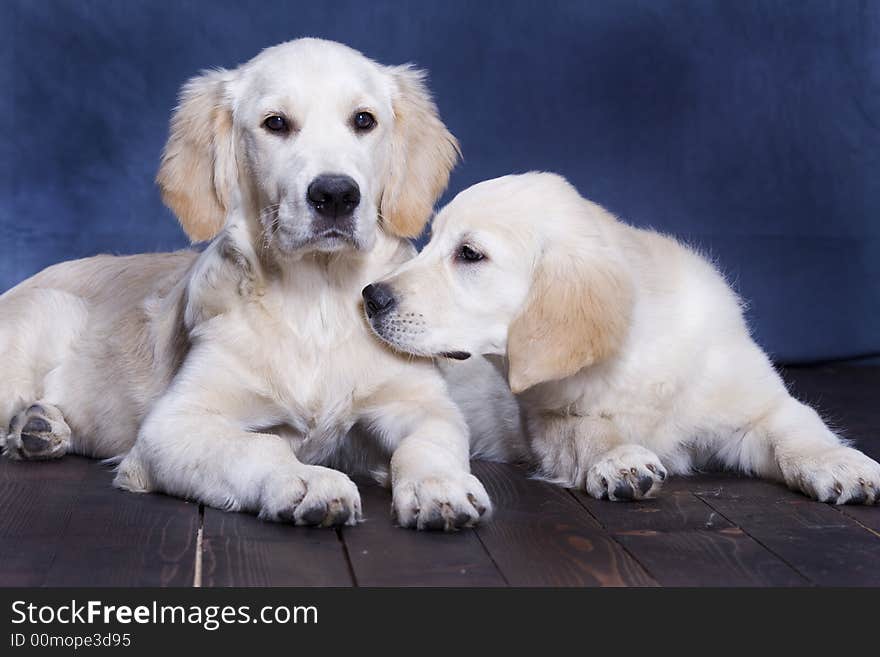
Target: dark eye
[
  {"x": 467, "y": 253},
  {"x": 276, "y": 123},
  {"x": 363, "y": 121}
]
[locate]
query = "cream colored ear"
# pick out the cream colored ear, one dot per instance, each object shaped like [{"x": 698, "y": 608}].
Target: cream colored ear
[
  {"x": 198, "y": 170},
  {"x": 423, "y": 153},
  {"x": 577, "y": 314}
]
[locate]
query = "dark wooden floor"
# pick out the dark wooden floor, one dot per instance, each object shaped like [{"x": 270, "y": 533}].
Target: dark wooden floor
[{"x": 62, "y": 524}]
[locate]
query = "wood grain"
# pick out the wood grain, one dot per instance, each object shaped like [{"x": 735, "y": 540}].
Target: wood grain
[
  {"x": 675, "y": 509},
  {"x": 242, "y": 550},
  {"x": 117, "y": 538},
  {"x": 384, "y": 555},
  {"x": 824, "y": 545},
  {"x": 70, "y": 469},
  {"x": 724, "y": 557},
  {"x": 682, "y": 541},
  {"x": 541, "y": 536}
]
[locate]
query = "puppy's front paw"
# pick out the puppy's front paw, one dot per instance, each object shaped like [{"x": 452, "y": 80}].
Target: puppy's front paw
[
  {"x": 440, "y": 502},
  {"x": 837, "y": 475},
  {"x": 314, "y": 496},
  {"x": 627, "y": 472}
]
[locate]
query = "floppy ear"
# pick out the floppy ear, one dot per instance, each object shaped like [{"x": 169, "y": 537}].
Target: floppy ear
[
  {"x": 198, "y": 170},
  {"x": 423, "y": 153},
  {"x": 577, "y": 314}
]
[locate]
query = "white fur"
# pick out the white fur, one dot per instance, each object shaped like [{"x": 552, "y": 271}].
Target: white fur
[
  {"x": 645, "y": 366},
  {"x": 246, "y": 372}
]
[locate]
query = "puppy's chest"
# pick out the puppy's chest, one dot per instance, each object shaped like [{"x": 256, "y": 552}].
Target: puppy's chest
[{"x": 320, "y": 371}]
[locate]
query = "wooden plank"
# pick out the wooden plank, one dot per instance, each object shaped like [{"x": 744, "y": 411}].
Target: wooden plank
[
  {"x": 541, "y": 536},
  {"x": 32, "y": 511},
  {"x": 675, "y": 509},
  {"x": 69, "y": 469},
  {"x": 242, "y": 550},
  {"x": 836, "y": 385},
  {"x": 682, "y": 541},
  {"x": 25, "y": 561},
  {"x": 822, "y": 544},
  {"x": 70, "y": 527},
  {"x": 866, "y": 516},
  {"x": 384, "y": 555},
  {"x": 696, "y": 557},
  {"x": 115, "y": 538},
  {"x": 38, "y": 501}
]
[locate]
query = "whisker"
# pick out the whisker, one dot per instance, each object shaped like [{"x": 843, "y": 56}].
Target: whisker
[{"x": 269, "y": 215}]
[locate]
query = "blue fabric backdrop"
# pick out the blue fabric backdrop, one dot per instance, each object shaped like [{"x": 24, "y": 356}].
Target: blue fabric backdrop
[{"x": 751, "y": 129}]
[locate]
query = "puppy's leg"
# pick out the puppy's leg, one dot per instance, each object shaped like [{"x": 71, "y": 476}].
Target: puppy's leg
[
  {"x": 212, "y": 462},
  {"x": 810, "y": 458},
  {"x": 187, "y": 448},
  {"x": 431, "y": 483},
  {"x": 587, "y": 452},
  {"x": 37, "y": 433},
  {"x": 38, "y": 327}
]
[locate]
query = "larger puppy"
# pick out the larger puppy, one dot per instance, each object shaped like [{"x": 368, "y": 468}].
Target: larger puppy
[
  {"x": 242, "y": 368},
  {"x": 628, "y": 351}
]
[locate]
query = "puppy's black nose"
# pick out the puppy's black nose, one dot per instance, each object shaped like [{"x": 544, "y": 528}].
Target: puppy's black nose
[
  {"x": 333, "y": 196},
  {"x": 378, "y": 299}
]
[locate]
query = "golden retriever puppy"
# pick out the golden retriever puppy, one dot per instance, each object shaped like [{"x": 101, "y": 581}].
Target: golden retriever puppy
[
  {"x": 235, "y": 375},
  {"x": 628, "y": 351}
]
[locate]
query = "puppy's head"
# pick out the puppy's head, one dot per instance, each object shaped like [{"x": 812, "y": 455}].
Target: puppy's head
[
  {"x": 520, "y": 265},
  {"x": 317, "y": 140}
]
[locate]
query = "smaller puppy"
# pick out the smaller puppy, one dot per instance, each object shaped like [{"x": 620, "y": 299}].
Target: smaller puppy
[{"x": 628, "y": 351}]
